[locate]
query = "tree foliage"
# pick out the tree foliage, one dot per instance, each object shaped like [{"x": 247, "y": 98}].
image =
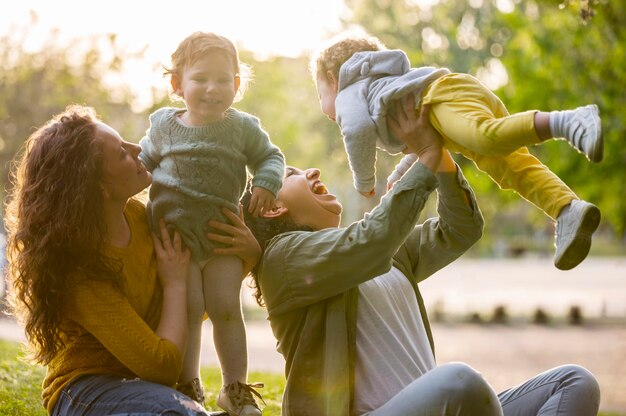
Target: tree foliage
[
  {"x": 535, "y": 54},
  {"x": 35, "y": 85}
]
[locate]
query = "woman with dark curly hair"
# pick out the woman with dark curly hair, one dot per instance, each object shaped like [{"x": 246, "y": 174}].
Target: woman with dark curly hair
[{"x": 102, "y": 299}]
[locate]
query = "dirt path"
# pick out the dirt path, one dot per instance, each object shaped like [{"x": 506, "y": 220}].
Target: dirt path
[{"x": 505, "y": 355}]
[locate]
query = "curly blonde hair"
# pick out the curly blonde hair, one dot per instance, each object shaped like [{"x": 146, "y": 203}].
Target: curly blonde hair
[
  {"x": 55, "y": 224},
  {"x": 198, "y": 45},
  {"x": 340, "y": 49}
]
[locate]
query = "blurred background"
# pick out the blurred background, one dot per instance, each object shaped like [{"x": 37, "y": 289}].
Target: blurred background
[{"x": 536, "y": 54}]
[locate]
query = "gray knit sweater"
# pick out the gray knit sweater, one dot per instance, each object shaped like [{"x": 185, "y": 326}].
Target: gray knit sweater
[{"x": 197, "y": 170}]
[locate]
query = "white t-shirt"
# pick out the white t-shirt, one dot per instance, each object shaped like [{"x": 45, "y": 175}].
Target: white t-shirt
[{"x": 391, "y": 345}]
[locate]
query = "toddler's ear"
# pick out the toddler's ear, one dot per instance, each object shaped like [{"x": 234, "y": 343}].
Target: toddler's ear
[
  {"x": 237, "y": 83},
  {"x": 175, "y": 83}
]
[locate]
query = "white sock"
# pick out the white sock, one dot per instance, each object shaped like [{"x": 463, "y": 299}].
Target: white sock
[{"x": 560, "y": 123}]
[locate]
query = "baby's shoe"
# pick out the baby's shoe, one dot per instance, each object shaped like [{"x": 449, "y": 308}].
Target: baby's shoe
[
  {"x": 582, "y": 128},
  {"x": 574, "y": 228},
  {"x": 238, "y": 399},
  {"x": 193, "y": 389}
]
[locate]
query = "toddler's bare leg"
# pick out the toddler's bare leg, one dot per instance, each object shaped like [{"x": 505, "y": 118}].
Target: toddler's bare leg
[
  {"x": 195, "y": 308},
  {"x": 222, "y": 277}
]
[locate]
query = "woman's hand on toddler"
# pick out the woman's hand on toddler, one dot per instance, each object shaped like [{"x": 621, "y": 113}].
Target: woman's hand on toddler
[
  {"x": 172, "y": 257},
  {"x": 238, "y": 236}
]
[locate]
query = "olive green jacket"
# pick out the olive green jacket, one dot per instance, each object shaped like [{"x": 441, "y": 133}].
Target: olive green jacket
[{"x": 309, "y": 281}]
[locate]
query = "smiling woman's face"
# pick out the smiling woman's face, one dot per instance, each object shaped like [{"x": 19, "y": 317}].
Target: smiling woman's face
[{"x": 307, "y": 199}]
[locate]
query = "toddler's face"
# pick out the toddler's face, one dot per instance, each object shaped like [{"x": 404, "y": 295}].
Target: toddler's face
[
  {"x": 327, "y": 93},
  {"x": 208, "y": 87}
]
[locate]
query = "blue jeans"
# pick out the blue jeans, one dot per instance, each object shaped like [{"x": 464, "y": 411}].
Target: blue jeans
[
  {"x": 568, "y": 390},
  {"x": 99, "y": 395},
  {"x": 458, "y": 389}
]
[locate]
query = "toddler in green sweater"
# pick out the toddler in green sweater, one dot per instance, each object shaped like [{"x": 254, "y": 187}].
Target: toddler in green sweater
[{"x": 199, "y": 157}]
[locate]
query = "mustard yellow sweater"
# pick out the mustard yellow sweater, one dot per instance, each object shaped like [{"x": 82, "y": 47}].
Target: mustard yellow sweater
[{"x": 110, "y": 332}]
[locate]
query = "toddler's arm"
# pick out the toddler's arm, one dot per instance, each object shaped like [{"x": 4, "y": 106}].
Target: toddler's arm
[{"x": 359, "y": 136}]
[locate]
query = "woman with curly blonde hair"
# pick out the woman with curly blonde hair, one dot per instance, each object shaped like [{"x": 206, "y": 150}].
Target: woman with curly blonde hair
[{"x": 101, "y": 298}]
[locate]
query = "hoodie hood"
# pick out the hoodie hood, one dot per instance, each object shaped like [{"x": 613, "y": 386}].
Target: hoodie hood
[{"x": 373, "y": 65}]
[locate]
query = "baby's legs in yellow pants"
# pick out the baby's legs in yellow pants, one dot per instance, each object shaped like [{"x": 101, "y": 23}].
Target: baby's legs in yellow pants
[
  {"x": 474, "y": 122},
  {"x": 532, "y": 180}
]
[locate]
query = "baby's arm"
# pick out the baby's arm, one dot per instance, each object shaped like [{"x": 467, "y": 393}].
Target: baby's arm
[{"x": 359, "y": 136}]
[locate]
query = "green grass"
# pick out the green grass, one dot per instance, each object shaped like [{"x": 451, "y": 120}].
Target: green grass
[{"x": 20, "y": 385}]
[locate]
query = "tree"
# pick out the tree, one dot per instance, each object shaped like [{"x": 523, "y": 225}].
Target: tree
[{"x": 36, "y": 85}]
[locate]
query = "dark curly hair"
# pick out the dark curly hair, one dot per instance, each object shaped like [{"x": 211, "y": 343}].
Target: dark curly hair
[
  {"x": 55, "y": 224},
  {"x": 264, "y": 229}
]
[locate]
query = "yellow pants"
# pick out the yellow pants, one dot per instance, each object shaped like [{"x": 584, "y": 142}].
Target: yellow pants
[{"x": 474, "y": 122}]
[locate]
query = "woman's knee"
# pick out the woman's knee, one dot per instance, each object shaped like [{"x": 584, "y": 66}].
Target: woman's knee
[
  {"x": 468, "y": 391},
  {"x": 582, "y": 379},
  {"x": 465, "y": 380}
]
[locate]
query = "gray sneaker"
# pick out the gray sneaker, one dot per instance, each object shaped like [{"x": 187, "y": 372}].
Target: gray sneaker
[
  {"x": 585, "y": 132},
  {"x": 574, "y": 227}
]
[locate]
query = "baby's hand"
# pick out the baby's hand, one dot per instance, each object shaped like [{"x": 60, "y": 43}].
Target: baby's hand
[
  {"x": 262, "y": 201},
  {"x": 368, "y": 194},
  {"x": 390, "y": 185}
]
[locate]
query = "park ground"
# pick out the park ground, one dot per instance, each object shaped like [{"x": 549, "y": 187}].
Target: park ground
[{"x": 505, "y": 353}]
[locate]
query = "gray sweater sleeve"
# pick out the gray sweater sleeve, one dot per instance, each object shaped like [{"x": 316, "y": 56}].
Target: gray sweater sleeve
[
  {"x": 150, "y": 154},
  {"x": 265, "y": 160}
]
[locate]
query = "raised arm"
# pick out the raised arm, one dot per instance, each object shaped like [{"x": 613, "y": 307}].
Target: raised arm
[
  {"x": 440, "y": 240},
  {"x": 304, "y": 267},
  {"x": 301, "y": 268}
]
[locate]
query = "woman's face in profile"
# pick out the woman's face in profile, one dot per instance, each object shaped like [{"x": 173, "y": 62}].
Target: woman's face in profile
[
  {"x": 307, "y": 199},
  {"x": 123, "y": 174}
]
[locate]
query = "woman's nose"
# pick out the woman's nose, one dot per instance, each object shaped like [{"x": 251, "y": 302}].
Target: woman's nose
[{"x": 312, "y": 173}]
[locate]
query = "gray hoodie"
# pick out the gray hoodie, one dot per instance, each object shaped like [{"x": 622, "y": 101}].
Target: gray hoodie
[{"x": 368, "y": 83}]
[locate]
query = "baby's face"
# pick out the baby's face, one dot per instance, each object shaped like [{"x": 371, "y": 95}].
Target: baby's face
[
  {"x": 208, "y": 87},
  {"x": 327, "y": 93}
]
